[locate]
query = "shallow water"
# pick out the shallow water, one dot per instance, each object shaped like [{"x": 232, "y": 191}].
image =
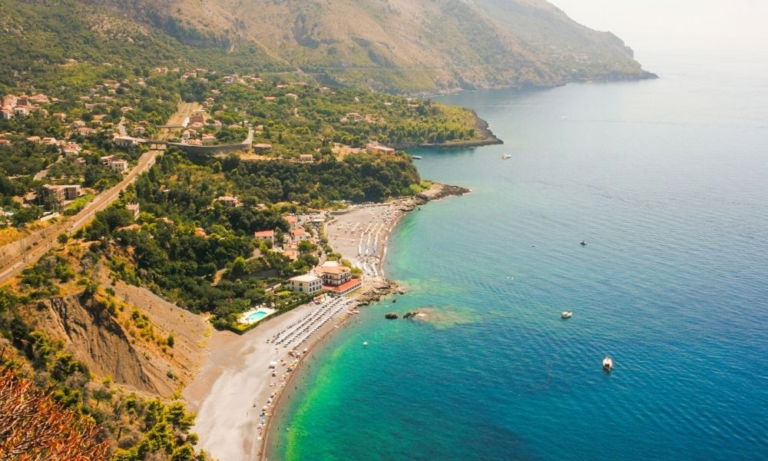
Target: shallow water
[{"x": 666, "y": 181}]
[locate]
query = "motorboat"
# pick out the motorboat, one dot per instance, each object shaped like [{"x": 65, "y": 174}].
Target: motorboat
[
  {"x": 365, "y": 343},
  {"x": 506, "y": 156},
  {"x": 607, "y": 364},
  {"x": 416, "y": 157},
  {"x": 583, "y": 243},
  {"x": 566, "y": 315}
]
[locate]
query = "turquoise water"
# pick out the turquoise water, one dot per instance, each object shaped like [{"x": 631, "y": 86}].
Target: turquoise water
[
  {"x": 253, "y": 316},
  {"x": 666, "y": 181}
]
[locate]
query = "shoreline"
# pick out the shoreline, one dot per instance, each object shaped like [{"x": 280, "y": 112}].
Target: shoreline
[
  {"x": 245, "y": 380},
  {"x": 373, "y": 290},
  {"x": 488, "y": 139}
]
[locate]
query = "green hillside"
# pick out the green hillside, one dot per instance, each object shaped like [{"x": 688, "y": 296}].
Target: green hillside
[{"x": 395, "y": 45}]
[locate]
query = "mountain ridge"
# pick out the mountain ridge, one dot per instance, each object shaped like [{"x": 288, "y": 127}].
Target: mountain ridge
[
  {"x": 408, "y": 46},
  {"x": 396, "y": 46}
]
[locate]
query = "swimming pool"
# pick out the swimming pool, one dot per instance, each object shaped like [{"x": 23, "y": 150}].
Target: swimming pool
[{"x": 254, "y": 316}]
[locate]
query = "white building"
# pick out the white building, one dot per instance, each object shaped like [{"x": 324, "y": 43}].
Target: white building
[
  {"x": 307, "y": 284},
  {"x": 119, "y": 165}
]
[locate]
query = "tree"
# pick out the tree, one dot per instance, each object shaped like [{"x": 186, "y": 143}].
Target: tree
[{"x": 34, "y": 426}]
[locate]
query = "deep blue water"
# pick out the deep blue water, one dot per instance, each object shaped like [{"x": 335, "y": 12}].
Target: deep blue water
[{"x": 667, "y": 182}]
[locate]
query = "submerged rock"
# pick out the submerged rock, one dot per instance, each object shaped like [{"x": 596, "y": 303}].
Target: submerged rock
[{"x": 391, "y": 316}]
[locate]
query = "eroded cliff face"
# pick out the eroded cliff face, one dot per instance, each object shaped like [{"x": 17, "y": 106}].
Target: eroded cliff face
[
  {"x": 93, "y": 336},
  {"x": 110, "y": 346}
]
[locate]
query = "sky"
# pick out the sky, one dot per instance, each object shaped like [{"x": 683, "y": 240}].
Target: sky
[{"x": 651, "y": 26}]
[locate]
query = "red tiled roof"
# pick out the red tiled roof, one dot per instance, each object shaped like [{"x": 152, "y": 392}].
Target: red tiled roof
[
  {"x": 333, "y": 269},
  {"x": 344, "y": 287}
]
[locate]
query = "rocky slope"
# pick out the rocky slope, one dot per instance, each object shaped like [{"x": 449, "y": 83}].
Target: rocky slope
[
  {"x": 399, "y": 45},
  {"x": 97, "y": 337}
]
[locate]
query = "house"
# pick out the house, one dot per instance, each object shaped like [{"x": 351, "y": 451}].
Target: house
[
  {"x": 308, "y": 284},
  {"x": 208, "y": 139},
  {"x": 21, "y": 111},
  {"x": 10, "y": 100},
  {"x": 265, "y": 236},
  {"x": 50, "y": 141},
  {"x": 262, "y": 148},
  {"x": 57, "y": 194},
  {"x": 119, "y": 165},
  {"x": 114, "y": 163},
  {"x": 85, "y": 131},
  {"x": 6, "y": 113},
  {"x": 40, "y": 99},
  {"x": 5, "y": 142},
  {"x": 71, "y": 149},
  {"x": 292, "y": 221},
  {"x": 300, "y": 235},
  {"x": 333, "y": 274},
  {"x": 228, "y": 200},
  {"x": 35, "y": 139},
  {"x": 376, "y": 148},
  {"x": 60, "y": 116},
  {"x": 197, "y": 118},
  {"x": 306, "y": 158},
  {"x": 134, "y": 209}
]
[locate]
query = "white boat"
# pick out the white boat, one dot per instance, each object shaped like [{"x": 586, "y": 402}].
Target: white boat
[
  {"x": 365, "y": 343},
  {"x": 566, "y": 315},
  {"x": 416, "y": 157},
  {"x": 506, "y": 156},
  {"x": 607, "y": 364}
]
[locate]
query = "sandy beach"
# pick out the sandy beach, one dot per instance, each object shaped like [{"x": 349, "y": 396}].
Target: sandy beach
[{"x": 236, "y": 392}]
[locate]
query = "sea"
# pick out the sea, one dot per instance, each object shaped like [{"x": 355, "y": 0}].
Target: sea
[{"x": 666, "y": 181}]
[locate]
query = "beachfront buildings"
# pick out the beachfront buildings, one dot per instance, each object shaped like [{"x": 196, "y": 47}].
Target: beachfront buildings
[
  {"x": 337, "y": 279},
  {"x": 334, "y": 274},
  {"x": 308, "y": 284}
]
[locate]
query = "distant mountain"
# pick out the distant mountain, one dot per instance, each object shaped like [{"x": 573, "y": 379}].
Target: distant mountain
[{"x": 390, "y": 45}]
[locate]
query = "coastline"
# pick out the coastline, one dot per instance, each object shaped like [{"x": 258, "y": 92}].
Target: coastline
[
  {"x": 245, "y": 380},
  {"x": 373, "y": 290},
  {"x": 488, "y": 138}
]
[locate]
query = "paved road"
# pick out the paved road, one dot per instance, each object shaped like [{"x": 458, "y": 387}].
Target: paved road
[{"x": 15, "y": 256}]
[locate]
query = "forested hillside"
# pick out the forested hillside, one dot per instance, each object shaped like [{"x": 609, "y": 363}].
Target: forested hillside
[{"x": 392, "y": 45}]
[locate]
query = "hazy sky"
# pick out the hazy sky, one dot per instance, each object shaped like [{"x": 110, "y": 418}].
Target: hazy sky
[{"x": 678, "y": 25}]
